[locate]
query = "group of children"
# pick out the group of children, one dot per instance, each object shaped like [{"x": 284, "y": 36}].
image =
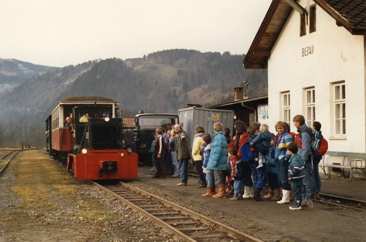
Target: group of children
[{"x": 262, "y": 165}]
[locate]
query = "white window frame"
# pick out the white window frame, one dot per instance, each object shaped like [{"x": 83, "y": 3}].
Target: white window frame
[
  {"x": 285, "y": 102},
  {"x": 309, "y": 105},
  {"x": 339, "y": 109}
]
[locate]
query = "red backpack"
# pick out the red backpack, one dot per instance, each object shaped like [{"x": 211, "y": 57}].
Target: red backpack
[
  {"x": 323, "y": 147},
  {"x": 297, "y": 139}
]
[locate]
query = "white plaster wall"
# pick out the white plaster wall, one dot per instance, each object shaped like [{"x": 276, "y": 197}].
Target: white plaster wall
[{"x": 338, "y": 55}]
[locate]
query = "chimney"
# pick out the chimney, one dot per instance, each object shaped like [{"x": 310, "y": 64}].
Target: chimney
[{"x": 241, "y": 92}]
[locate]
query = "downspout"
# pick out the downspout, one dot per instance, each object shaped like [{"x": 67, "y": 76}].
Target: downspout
[
  {"x": 296, "y": 6},
  {"x": 364, "y": 81}
]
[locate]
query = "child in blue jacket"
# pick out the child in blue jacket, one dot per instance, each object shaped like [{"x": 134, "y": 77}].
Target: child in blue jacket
[
  {"x": 262, "y": 144},
  {"x": 296, "y": 174},
  {"x": 210, "y": 179}
]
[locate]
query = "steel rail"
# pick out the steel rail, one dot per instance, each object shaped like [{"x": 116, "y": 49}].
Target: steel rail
[
  {"x": 6, "y": 159},
  {"x": 185, "y": 223},
  {"x": 341, "y": 201}
]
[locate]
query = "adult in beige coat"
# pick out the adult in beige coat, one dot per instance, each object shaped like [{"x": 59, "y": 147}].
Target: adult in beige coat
[{"x": 197, "y": 148}]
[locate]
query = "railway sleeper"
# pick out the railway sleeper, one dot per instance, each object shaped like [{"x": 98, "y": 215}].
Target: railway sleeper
[
  {"x": 156, "y": 210},
  {"x": 141, "y": 205},
  {"x": 178, "y": 223},
  {"x": 116, "y": 190},
  {"x": 156, "y": 214},
  {"x": 212, "y": 236},
  {"x": 151, "y": 206},
  {"x": 138, "y": 199},
  {"x": 132, "y": 197},
  {"x": 174, "y": 218},
  {"x": 193, "y": 229}
]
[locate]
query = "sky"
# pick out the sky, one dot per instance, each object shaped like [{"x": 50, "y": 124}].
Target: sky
[{"x": 64, "y": 32}]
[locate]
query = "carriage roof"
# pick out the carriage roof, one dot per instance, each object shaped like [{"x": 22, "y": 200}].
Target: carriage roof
[{"x": 86, "y": 100}]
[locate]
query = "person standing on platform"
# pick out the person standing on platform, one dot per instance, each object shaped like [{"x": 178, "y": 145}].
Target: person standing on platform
[
  {"x": 218, "y": 159},
  {"x": 306, "y": 153},
  {"x": 197, "y": 155},
  {"x": 181, "y": 141}
]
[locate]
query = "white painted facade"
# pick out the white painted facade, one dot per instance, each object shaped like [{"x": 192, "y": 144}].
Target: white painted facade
[{"x": 336, "y": 56}]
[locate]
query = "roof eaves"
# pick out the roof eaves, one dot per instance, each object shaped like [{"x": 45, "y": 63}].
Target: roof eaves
[
  {"x": 341, "y": 20},
  {"x": 263, "y": 32},
  {"x": 251, "y": 61},
  {"x": 262, "y": 29}
]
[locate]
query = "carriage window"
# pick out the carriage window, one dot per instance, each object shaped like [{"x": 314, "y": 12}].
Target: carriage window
[{"x": 55, "y": 123}]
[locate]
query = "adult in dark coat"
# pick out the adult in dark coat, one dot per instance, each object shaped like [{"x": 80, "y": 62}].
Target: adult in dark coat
[{"x": 182, "y": 150}]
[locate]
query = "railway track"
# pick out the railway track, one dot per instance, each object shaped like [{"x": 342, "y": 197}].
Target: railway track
[
  {"x": 341, "y": 201},
  {"x": 186, "y": 224},
  {"x": 6, "y": 159}
]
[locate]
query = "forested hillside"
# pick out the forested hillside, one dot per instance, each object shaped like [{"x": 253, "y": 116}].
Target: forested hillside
[{"x": 159, "y": 82}]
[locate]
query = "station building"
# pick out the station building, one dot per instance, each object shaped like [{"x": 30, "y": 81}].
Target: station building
[
  {"x": 315, "y": 52},
  {"x": 248, "y": 105}
]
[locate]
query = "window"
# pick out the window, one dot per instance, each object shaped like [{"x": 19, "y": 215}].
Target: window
[
  {"x": 302, "y": 24},
  {"x": 312, "y": 12},
  {"x": 238, "y": 93},
  {"x": 339, "y": 108},
  {"x": 286, "y": 107},
  {"x": 309, "y": 105},
  {"x": 55, "y": 123}
]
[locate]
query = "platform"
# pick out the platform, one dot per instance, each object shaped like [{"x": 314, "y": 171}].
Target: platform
[
  {"x": 354, "y": 188},
  {"x": 267, "y": 220}
]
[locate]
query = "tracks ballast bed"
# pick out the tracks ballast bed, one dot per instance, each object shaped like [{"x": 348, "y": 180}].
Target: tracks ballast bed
[{"x": 184, "y": 223}]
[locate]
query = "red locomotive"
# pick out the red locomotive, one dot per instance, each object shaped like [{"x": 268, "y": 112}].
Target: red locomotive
[{"x": 87, "y": 133}]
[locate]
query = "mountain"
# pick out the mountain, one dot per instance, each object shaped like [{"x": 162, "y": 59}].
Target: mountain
[
  {"x": 15, "y": 72},
  {"x": 159, "y": 82},
  {"x": 39, "y": 94}
]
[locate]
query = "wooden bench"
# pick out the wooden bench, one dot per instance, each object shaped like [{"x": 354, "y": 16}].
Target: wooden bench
[{"x": 347, "y": 161}]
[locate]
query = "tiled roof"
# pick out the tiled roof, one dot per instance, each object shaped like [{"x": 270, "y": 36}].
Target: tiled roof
[{"x": 353, "y": 13}]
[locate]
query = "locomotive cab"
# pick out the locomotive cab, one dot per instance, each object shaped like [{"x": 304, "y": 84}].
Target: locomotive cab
[
  {"x": 99, "y": 135},
  {"x": 99, "y": 154}
]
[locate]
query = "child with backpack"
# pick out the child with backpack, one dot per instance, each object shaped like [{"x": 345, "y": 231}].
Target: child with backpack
[
  {"x": 251, "y": 169},
  {"x": 320, "y": 147},
  {"x": 236, "y": 172},
  {"x": 262, "y": 144},
  {"x": 238, "y": 140},
  {"x": 296, "y": 175}
]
